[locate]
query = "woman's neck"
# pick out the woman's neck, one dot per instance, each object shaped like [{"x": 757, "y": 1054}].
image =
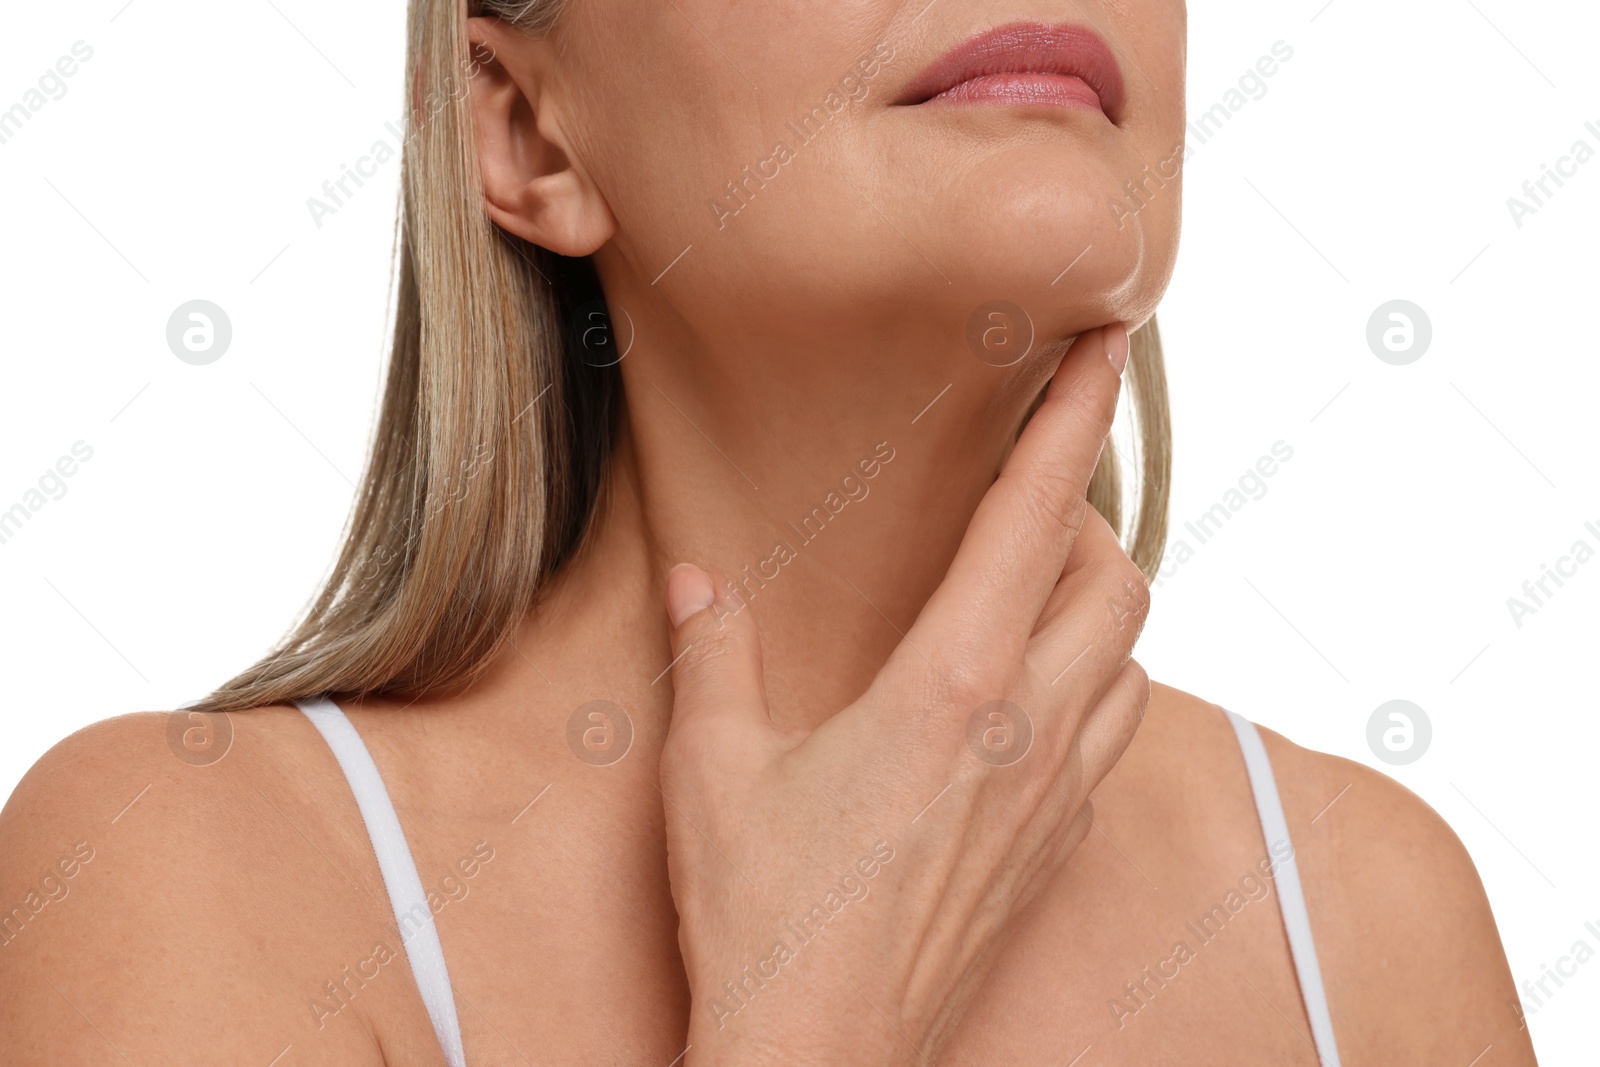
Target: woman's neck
[{"x": 834, "y": 517}]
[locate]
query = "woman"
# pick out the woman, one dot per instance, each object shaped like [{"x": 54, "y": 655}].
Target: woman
[{"x": 776, "y": 290}]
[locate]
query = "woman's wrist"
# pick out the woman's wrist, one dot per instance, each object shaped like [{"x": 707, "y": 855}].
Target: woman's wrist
[
  {"x": 809, "y": 1015},
  {"x": 797, "y": 1035}
]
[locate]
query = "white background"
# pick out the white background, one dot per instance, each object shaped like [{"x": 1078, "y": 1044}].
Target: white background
[{"x": 1377, "y": 565}]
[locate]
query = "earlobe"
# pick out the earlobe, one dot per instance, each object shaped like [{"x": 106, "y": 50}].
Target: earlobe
[{"x": 533, "y": 186}]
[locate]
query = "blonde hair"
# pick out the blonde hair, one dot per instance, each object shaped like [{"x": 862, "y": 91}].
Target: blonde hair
[{"x": 494, "y": 432}]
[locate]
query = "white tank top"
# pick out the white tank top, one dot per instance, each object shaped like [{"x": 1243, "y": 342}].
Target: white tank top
[{"x": 426, "y": 954}]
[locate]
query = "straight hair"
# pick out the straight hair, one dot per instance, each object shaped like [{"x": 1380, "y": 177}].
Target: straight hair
[{"x": 494, "y": 431}]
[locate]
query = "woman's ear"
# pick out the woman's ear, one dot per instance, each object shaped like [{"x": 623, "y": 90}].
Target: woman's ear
[{"x": 532, "y": 185}]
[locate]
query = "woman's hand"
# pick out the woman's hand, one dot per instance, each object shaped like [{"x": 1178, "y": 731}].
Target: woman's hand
[{"x": 841, "y": 894}]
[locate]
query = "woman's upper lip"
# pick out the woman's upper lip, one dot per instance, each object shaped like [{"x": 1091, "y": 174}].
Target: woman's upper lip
[{"x": 1026, "y": 48}]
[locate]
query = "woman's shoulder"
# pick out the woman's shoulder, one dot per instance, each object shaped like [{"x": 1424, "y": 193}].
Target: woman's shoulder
[
  {"x": 1402, "y": 924},
  {"x": 154, "y": 871},
  {"x": 167, "y": 784},
  {"x": 1331, "y": 803},
  {"x": 175, "y": 781}
]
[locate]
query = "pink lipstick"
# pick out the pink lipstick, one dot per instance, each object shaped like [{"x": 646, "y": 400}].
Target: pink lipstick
[{"x": 1025, "y": 63}]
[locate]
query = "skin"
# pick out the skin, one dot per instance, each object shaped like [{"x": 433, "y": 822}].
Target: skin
[
  {"x": 1024, "y": 605},
  {"x": 813, "y": 325}
]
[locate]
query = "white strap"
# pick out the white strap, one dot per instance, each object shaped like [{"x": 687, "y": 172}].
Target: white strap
[
  {"x": 410, "y": 902},
  {"x": 1291, "y": 897}
]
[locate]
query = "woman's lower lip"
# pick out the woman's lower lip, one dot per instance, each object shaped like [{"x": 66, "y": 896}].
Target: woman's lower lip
[{"x": 1049, "y": 89}]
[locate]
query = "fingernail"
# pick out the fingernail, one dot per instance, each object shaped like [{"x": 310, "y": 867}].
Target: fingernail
[
  {"x": 1117, "y": 346},
  {"x": 689, "y": 592}
]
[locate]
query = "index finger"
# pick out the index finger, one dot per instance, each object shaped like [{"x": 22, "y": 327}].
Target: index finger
[{"x": 1018, "y": 541}]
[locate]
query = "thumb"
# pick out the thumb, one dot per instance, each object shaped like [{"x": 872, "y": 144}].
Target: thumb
[{"x": 716, "y": 655}]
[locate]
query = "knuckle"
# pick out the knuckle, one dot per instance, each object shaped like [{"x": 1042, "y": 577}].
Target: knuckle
[
  {"x": 1138, "y": 682},
  {"x": 1088, "y": 401},
  {"x": 1127, "y": 701},
  {"x": 1126, "y": 593},
  {"x": 954, "y": 687},
  {"x": 1129, "y": 577},
  {"x": 1051, "y": 497},
  {"x": 966, "y": 676},
  {"x": 938, "y": 701},
  {"x": 704, "y": 651}
]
